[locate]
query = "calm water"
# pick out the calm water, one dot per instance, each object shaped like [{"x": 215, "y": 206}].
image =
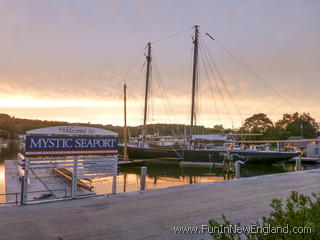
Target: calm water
[
  {"x": 159, "y": 174},
  {"x": 167, "y": 174},
  {"x": 7, "y": 153}
]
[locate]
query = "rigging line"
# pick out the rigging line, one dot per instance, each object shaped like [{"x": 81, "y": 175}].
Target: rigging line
[
  {"x": 250, "y": 70},
  {"x": 161, "y": 86},
  {"x": 217, "y": 84},
  {"x": 136, "y": 103},
  {"x": 97, "y": 113},
  {"x": 119, "y": 84},
  {"x": 116, "y": 108},
  {"x": 171, "y": 36},
  {"x": 101, "y": 107},
  {"x": 210, "y": 86},
  {"x": 138, "y": 76},
  {"x": 222, "y": 79},
  {"x": 161, "y": 91},
  {"x": 122, "y": 79},
  {"x": 131, "y": 67}
]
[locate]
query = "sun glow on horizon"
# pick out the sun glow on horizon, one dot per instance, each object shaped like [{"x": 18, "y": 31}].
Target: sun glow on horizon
[{"x": 87, "y": 110}]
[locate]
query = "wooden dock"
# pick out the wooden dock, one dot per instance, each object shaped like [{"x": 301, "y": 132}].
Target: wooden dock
[
  {"x": 41, "y": 182},
  {"x": 202, "y": 164},
  {"x": 306, "y": 160},
  {"x": 148, "y": 160},
  {"x": 153, "y": 214}
]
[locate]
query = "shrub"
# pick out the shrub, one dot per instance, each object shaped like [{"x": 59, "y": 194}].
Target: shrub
[{"x": 294, "y": 219}]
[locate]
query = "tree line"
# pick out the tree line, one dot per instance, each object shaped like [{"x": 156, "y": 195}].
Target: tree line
[{"x": 289, "y": 125}]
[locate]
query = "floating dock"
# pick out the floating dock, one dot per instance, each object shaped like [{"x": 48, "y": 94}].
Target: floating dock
[
  {"x": 152, "y": 214},
  {"x": 201, "y": 164},
  {"x": 41, "y": 182},
  {"x": 306, "y": 160}
]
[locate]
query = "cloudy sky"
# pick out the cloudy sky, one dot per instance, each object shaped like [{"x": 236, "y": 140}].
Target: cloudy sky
[{"x": 67, "y": 60}]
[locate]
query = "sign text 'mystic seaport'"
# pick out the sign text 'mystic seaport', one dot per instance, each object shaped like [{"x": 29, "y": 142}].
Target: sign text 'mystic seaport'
[{"x": 63, "y": 145}]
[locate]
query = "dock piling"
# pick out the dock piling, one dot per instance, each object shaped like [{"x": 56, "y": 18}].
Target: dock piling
[
  {"x": 143, "y": 178},
  {"x": 114, "y": 184},
  {"x": 24, "y": 183},
  {"x": 74, "y": 184},
  {"x": 298, "y": 163},
  {"x": 237, "y": 169}
]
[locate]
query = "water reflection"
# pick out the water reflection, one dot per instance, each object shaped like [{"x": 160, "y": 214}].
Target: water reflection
[
  {"x": 166, "y": 174},
  {"x": 159, "y": 174},
  {"x": 2, "y": 183},
  {"x": 9, "y": 152}
]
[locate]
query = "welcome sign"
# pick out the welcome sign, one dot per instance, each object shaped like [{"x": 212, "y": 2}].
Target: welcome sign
[{"x": 71, "y": 140}]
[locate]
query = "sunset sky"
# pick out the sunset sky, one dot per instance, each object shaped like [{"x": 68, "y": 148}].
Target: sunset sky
[{"x": 67, "y": 60}]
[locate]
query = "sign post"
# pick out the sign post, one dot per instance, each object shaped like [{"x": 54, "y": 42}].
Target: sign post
[
  {"x": 24, "y": 184},
  {"x": 74, "y": 184},
  {"x": 114, "y": 184},
  {"x": 89, "y": 152}
]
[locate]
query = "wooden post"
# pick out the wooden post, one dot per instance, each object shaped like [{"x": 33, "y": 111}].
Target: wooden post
[
  {"x": 124, "y": 182},
  {"x": 114, "y": 184},
  {"x": 125, "y": 130},
  {"x": 298, "y": 163},
  {"x": 74, "y": 185},
  {"x": 114, "y": 177},
  {"x": 143, "y": 178},
  {"x": 278, "y": 146},
  {"x": 237, "y": 169},
  {"x": 24, "y": 183}
]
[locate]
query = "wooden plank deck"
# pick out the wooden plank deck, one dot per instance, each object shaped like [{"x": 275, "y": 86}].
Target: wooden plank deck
[
  {"x": 49, "y": 180},
  {"x": 152, "y": 214}
]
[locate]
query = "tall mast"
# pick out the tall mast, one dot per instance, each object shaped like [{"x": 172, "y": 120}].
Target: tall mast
[
  {"x": 148, "y": 57},
  {"x": 194, "y": 77},
  {"x": 125, "y": 130}
]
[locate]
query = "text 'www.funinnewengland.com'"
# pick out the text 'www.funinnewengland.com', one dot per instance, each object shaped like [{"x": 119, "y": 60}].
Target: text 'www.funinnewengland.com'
[{"x": 251, "y": 229}]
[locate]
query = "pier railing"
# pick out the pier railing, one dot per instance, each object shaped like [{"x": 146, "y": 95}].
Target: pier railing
[{"x": 17, "y": 196}]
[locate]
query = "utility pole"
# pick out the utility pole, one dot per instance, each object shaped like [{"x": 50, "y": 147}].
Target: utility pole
[
  {"x": 148, "y": 57},
  {"x": 194, "y": 77},
  {"x": 125, "y": 130}
]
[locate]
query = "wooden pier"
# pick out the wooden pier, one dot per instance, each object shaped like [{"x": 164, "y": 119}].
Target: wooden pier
[
  {"x": 306, "y": 160},
  {"x": 41, "y": 182},
  {"x": 152, "y": 214},
  {"x": 148, "y": 160}
]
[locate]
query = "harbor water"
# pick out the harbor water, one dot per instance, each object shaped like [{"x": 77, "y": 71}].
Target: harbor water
[
  {"x": 9, "y": 152},
  {"x": 160, "y": 174}
]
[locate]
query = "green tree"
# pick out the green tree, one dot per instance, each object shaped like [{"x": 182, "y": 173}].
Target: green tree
[
  {"x": 299, "y": 125},
  {"x": 218, "y": 129},
  {"x": 4, "y": 134},
  {"x": 258, "y": 123}
]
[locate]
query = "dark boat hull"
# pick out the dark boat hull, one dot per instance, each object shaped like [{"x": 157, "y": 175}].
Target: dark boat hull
[
  {"x": 203, "y": 155},
  {"x": 147, "y": 153},
  {"x": 265, "y": 157}
]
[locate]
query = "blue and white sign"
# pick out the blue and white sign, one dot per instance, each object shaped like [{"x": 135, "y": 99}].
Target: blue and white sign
[{"x": 71, "y": 140}]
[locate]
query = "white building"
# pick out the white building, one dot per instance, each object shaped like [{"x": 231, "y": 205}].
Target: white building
[{"x": 313, "y": 149}]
